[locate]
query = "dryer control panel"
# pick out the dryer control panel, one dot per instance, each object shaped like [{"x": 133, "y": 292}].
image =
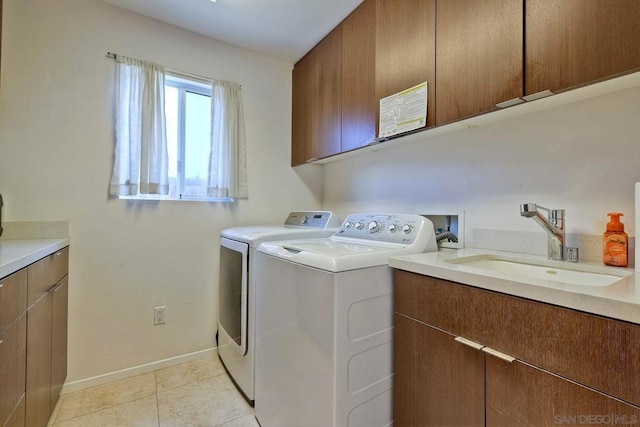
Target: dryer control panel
[
  {"x": 390, "y": 228},
  {"x": 315, "y": 219}
]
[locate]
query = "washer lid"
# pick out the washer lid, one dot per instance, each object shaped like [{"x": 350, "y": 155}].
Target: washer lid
[
  {"x": 254, "y": 235},
  {"x": 335, "y": 256}
]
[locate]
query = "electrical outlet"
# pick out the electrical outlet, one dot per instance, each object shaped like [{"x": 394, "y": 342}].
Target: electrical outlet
[{"x": 160, "y": 315}]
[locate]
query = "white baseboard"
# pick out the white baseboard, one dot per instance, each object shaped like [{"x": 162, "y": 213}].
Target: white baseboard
[{"x": 136, "y": 370}]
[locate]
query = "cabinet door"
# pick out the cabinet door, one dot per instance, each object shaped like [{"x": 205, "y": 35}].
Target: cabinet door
[
  {"x": 573, "y": 42},
  {"x": 12, "y": 366},
  {"x": 359, "y": 105},
  {"x": 441, "y": 379},
  {"x": 327, "y": 96},
  {"x": 39, "y": 362},
  {"x": 406, "y": 49},
  {"x": 59, "y": 311},
  {"x": 520, "y": 394},
  {"x": 479, "y": 56},
  {"x": 317, "y": 97},
  {"x": 302, "y": 111}
]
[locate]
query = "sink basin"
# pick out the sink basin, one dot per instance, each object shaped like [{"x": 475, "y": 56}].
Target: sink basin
[{"x": 555, "y": 271}]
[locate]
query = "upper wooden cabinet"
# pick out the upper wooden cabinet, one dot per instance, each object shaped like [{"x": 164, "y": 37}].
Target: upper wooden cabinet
[
  {"x": 358, "y": 77},
  {"x": 316, "y": 103},
  {"x": 483, "y": 52},
  {"x": 573, "y": 42},
  {"x": 406, "y": 49},
  {"x": 479, "y": 56}
]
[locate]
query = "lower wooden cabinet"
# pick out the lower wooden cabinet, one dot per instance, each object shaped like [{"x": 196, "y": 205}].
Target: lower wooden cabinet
[
  {"x": 39, "y": 362},
  {"x": 12, "y": 366},
  {"x": 446, "y": 374},
  {"x": 33, "y": 341},
  {"x": 59, "y": 315}
]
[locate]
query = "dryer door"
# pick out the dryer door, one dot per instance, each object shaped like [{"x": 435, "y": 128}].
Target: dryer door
[{"x": 232, "y": 294}]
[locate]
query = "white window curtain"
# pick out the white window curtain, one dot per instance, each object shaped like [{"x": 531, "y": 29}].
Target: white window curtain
[
  {"x": 141, "y": 157},
  {"x": 227, "y": 164}
]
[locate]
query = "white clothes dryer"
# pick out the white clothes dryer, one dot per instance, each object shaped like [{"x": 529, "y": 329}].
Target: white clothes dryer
[
  {"x": 236, "y": 292},
  {"x": 324, "y": 322}
]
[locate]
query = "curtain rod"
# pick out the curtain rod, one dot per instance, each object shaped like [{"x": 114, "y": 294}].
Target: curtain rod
[{"x": 112, "y": 55}]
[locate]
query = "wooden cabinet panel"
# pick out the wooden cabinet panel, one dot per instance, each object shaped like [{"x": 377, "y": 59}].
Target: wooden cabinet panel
[
  {"x": 437, "y": 381},
  {"x": 574, "y": 42},
  {"x": 519, "y": 394},
  {"x": 44, "y": 274},
  {"x": 449, "y": 380},
  {"x": 358, "y": 76},
  {"x": 327, "y": 96},
  {"x": 592, "y": 350},
  {"x": 59, "y": 315},
  {"x": 317, "y": 95},
  {"x": 406, "y": 49},
  {"x": 17, "y": 419},
  {"x": 404, "y": 371},
  {"x": 479, "y": 56},
  {"x": 39, "y": 362},
  {"x": 12, "y": 366},
  {"x": 13, "y": 297},
  {"x": 302, "y": 111}
]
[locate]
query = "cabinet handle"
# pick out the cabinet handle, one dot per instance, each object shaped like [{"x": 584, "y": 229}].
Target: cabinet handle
[
  {"x": 1, "y": 285},
  {"x": 510, "y": 102},
  {"x": 499, "y": 355},
  {"x": 1, "y": 341},
  {"x": 538, "y": 95},
  {"x": 469, "y": 343},
  {"x": 311, "y": 160},
  {"x": 58, "y": 253}
]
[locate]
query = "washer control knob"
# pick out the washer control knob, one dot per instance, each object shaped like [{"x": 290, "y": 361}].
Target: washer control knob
[
  {"x": 373, "y": 227},
  {"x": 304, "y": 220},
  {"x": 348, "y": 225},
  {"x": 393, "y": 228},
  {"x": 359, "y": 225},
  {"x": 406, "y": 229}
]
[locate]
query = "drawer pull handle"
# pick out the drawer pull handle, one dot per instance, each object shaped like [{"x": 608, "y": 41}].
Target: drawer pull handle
[
  {"x": 1, "y": 285},
  {"x": 499, "y": 355},
  {"x": 58, "y": 253},
  {"x": 1, "y": 341},
  {"x": 469, "y": 343}
]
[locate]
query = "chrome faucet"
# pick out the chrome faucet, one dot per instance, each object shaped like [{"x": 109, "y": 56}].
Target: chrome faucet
[{"x": 553, "y": 225}]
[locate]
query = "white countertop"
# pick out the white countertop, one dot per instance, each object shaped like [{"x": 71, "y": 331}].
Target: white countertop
[
  {"x": 17, "y": 254},
  {"x": 620, "y": 300}
]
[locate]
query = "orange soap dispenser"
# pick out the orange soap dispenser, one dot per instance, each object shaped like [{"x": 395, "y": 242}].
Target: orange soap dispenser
[{"x": 615, "y": 242}]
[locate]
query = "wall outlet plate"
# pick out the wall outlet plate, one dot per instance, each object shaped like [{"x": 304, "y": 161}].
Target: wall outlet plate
[
  {"x": 451, "y": 221},
  {"x": 160, "y": 315}
]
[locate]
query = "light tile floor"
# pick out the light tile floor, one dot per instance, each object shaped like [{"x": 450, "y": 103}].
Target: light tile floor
[{"x": 197, "y": 393}]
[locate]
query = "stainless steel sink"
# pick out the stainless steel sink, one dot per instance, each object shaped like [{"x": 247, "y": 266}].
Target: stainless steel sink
[{"x": 555, "y": 271}]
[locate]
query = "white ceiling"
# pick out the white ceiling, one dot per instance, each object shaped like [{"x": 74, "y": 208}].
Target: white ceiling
[{"x": 283, "y": 29}]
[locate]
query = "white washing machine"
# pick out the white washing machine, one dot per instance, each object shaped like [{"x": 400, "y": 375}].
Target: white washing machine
[
  {"x": 324, "y": 323},
  {"x": 236, "y": 296}
]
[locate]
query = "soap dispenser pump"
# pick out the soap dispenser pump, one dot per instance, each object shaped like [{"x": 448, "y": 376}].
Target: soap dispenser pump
[{"x": 615, "y": 242}]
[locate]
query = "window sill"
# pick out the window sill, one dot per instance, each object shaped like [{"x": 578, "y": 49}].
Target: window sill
[{"x": 156, "y": 197}]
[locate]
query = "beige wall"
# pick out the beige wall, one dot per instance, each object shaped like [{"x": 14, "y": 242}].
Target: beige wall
[
  {"x": 56, "y": 143},
  {"x": 583, "y": 157}
]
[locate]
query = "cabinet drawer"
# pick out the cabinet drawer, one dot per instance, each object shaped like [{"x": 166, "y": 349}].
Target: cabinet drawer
[
  {"x": 13, "y": 297},
  {"x": 45, "y": 273},
  {"x": 12, "y": 366},
  {"x": 595, "y": 351}
]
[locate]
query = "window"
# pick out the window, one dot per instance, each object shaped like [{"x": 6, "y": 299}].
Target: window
[
  {"x": 177, "y": 138},
  {"x": 188, "y": 121}
]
